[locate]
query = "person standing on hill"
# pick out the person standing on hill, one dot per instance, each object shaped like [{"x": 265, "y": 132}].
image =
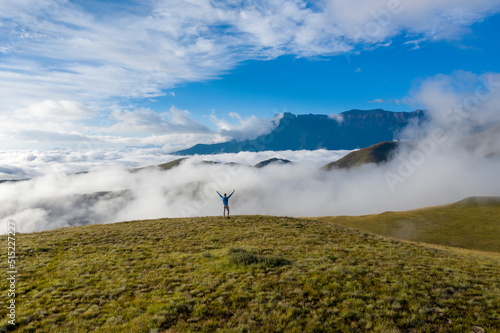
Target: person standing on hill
[{"x": 225, "y": 202}]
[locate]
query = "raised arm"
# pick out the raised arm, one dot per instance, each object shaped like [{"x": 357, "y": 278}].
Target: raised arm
[{"x": 229, "y": 196}]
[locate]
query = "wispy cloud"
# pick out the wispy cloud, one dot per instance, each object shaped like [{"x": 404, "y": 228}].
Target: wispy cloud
[
  {"x": 148, "y": 121},
  {"x": 50, "y": 109},
  {"x": 381, "y": 101},
  {"x": 56, "y": 52},
  {"x": 462, "y": 100},
  {"x": 244, "y": 128},
  {"x": 337, "y": 116},
  {"x": 71, "y": 51},
  {"x": 65, "y": 125}
]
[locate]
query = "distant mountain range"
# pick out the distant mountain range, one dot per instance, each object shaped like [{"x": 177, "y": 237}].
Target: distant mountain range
[{"x": 347, "y": 130}]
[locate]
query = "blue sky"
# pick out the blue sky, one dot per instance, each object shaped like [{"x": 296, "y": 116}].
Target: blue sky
[
  {"x": 343, "y": 82},
  {"x": 90, "y": 74}
]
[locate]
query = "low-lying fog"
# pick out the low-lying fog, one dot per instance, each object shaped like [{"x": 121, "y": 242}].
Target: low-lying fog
[{"x": 436, "y": 171}]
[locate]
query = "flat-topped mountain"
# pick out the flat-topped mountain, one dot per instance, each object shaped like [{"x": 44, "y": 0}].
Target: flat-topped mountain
[{"x": 347, "y": 130}]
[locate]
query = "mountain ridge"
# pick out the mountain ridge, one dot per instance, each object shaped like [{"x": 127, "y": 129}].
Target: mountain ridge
[
  {"x": 347, "y": 130},
  {"x": 377, "y": 153}
]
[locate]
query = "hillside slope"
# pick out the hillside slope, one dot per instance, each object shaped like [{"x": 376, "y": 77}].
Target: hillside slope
[
  {"x": 250, "y": 273},
  {"x": 472, "y": 223},
  {"x": 378, "y": 153}
]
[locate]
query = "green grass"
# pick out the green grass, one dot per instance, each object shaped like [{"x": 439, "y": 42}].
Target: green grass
[
  {"x": 378, "y": 153},
  {"x": 246, "y": 274},
  {"x": 473, "y": 223}
]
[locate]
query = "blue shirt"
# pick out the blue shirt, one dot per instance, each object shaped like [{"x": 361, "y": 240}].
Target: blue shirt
[{"x": 225, "y": 200}]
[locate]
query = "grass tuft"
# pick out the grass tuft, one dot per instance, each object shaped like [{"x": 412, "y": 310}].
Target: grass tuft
[{"x": 243, "y": 257}]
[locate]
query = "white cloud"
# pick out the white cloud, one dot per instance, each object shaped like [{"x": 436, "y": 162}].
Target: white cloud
[
  {"x": 24, "y": 164},
  {"x": 374, "y": 21},
  {"x": 60, "y": 51},
  {"x": 110, "y": 194},
  {"x": 337, "y": 116},
  {"x": 246, "y": 128},
  {"x": 183, "y": 119},
  {"x": 381, "y": 101},
  {"x": 148, "y": 121},
  {"x": 50, "y": 109},
  {"x": 64, "y": 124},
  {"x": 462, "y": 101},
  {"x": 47, "y": 121},
  {"x": 56, "y": 198}
]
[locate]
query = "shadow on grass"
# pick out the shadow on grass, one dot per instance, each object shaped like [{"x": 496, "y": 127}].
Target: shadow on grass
[{"x": 242, "y": 257}]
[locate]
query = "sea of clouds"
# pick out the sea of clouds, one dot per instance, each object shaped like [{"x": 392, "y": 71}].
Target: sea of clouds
[
  {"x": 65, "y": 188},
  {"x": 435, "y": 171}
]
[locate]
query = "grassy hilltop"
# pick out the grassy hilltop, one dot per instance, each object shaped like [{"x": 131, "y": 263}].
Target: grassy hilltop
[
  {"x": 472, "y": 223},
  {"x": 247, "y": 274},
  {"x": 377, "y": 153}
]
